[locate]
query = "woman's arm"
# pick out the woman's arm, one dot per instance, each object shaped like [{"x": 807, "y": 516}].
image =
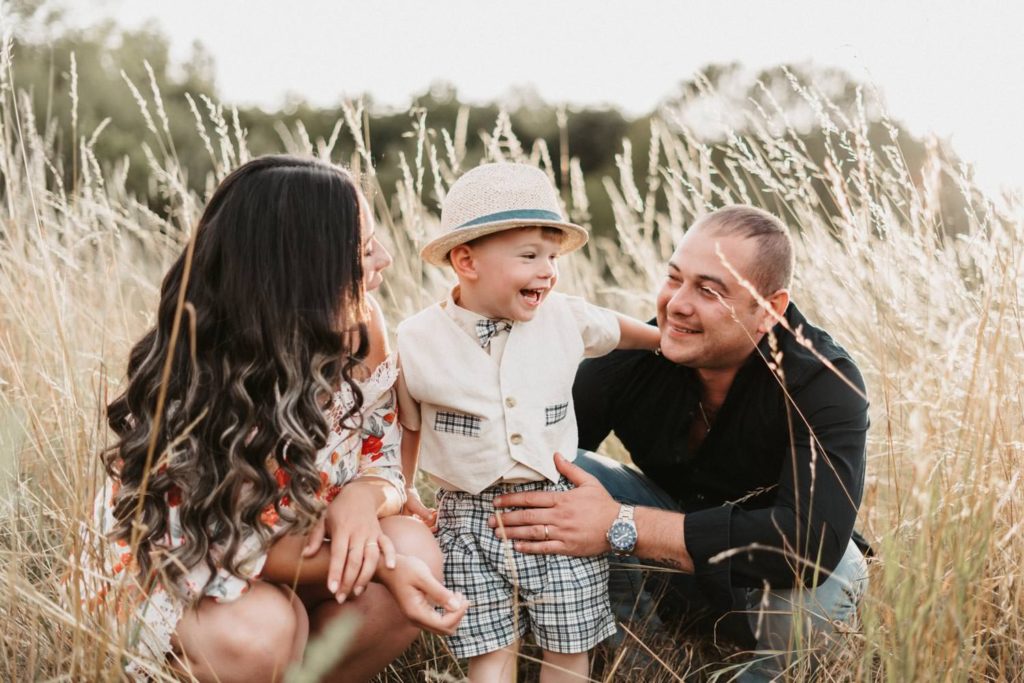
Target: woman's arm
[
  {"x": 406, "y": 577},
  {"x": 287, "y": 564},
  {"x": 342, "y": 550},
  {"x": 376, "y": 493}
]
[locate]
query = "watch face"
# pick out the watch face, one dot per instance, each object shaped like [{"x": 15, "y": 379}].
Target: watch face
[{"x": 622, "y": 536}]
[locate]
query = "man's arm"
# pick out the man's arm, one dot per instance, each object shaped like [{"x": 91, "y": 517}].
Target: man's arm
[
  {"x": 804, "y": 534},
  {"x": 660, "y": 538},
  {"x": 575, "y": 522}
]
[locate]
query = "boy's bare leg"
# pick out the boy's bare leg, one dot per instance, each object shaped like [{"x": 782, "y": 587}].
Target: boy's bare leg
[
  {"x": 565, "y": 668},
  {"x": 495, "y": 667}
]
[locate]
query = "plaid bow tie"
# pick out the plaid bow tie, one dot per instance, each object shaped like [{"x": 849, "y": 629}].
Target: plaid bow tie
[{"x": 486, "y": 329}]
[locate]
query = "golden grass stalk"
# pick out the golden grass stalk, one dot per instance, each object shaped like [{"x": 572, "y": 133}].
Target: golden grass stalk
[{"x": 933, "y": 319}]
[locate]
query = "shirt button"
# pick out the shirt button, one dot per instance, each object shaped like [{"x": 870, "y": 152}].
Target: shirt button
[
  {"x": 510, "y": 402},
  {"x": 516, "y": 439}
]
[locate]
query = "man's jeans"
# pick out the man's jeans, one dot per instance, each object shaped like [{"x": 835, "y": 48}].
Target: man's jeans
[{"x": 782, "y": 625}]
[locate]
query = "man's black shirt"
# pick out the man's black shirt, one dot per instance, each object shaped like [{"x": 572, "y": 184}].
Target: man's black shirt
[{"x": 758, "y": 478}]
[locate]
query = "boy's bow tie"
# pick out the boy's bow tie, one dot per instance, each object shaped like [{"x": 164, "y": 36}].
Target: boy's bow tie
[{"x": 486, "y": 329}]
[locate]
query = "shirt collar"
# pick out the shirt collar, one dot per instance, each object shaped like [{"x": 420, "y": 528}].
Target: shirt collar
[
  {"x": 463, "y": 317},
  {"x": 460, "y": 314}
]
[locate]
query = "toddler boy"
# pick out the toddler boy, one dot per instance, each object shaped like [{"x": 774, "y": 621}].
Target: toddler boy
[{"x": 486, "y": 389}]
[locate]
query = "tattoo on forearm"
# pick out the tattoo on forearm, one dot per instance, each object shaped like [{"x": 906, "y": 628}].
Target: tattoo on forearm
[{"x": 671, "y": 562}]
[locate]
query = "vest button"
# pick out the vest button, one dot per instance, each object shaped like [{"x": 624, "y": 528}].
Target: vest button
[
  {"x": 516, "y": 439},
  {"x": 510, "y": 402}
]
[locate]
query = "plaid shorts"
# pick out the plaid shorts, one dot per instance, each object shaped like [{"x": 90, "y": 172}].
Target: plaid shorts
[{"x": 562, "y": 600}]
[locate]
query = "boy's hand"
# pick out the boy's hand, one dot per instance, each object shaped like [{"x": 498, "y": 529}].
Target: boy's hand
[{"x": 414, "y": 507}]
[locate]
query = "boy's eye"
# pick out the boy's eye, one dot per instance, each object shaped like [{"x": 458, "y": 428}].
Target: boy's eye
[{"x": 708, "y": 292}]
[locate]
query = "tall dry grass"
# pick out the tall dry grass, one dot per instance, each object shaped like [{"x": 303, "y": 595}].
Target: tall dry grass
[{"x": 934, "y": 320}]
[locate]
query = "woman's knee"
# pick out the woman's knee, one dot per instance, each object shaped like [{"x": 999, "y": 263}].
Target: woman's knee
[
  {"x": 413, "y": 537},
  {"x": 252, "y": 638}
]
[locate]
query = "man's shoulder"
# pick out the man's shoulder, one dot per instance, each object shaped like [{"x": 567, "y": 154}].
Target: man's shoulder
[
  {"x": 808, "y": 350},
  {"x": 636, "y": 364}
]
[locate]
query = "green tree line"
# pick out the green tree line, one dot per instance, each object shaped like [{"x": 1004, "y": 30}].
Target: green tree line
[{"x": 77, "y": 81}]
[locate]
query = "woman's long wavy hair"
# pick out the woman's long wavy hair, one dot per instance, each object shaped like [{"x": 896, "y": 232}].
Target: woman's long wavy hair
[{"x": 270, "y": 328}]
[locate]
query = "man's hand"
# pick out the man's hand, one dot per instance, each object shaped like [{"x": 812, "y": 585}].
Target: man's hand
[
  {"x": 417, "y": 591},
  {"x": 565, "y": 523}
]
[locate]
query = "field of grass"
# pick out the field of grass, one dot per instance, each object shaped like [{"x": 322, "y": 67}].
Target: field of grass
[{"x": 933, "y": 319}]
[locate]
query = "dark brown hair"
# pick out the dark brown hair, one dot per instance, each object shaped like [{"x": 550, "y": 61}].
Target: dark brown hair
[{"x": 272, "y": 329}]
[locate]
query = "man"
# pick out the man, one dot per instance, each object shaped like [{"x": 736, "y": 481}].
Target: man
[{"x": 748, "y": 430}]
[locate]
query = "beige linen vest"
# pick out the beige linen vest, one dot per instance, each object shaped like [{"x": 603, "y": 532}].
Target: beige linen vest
[{"x": 474, "y": 410}]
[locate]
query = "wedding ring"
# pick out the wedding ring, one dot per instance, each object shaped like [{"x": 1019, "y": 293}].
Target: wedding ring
[
  {"x": 372, "y": 543},
  {"x": 547, "y": 536}
]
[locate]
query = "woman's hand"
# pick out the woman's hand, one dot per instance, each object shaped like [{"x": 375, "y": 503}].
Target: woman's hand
[
  {"x": 357, "y": 542},
  {"x": 417, "y": 591},
  {"x": 414, "y": 507}
]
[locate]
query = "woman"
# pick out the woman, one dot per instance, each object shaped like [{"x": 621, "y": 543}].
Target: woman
[{"x": 258, "y": 419}]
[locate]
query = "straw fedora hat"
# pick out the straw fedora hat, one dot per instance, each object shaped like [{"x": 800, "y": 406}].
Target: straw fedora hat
[{"x": 495, "y": 197}]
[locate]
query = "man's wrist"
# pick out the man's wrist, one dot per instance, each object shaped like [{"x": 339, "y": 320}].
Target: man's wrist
[
  {"x": 660, "y": 538},
  {"x": 622, "y": 534}
]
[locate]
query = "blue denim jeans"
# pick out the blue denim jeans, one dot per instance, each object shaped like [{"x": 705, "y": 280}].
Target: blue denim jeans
[{"x": 779, "y": 625}]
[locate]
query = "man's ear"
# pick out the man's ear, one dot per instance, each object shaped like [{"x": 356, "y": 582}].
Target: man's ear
[
  {"x": 778, "y": 302},
  {"x": 463, "y": 263}
]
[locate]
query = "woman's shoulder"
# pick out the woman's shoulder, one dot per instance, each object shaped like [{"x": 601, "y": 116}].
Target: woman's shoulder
[{"x": 382, "y": 378}]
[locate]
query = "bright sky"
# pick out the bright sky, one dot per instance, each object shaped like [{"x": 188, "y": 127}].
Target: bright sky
[{"x": 954, "y": 68}]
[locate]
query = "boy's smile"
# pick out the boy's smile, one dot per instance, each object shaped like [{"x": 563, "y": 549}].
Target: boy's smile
[{"x": 508, "y": 274}]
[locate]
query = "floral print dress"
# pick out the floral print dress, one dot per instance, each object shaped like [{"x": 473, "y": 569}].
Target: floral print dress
[{"x": 373, "y": 451}]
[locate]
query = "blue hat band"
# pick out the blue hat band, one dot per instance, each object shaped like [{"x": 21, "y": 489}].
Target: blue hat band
[{"x": 514, "y": 215}]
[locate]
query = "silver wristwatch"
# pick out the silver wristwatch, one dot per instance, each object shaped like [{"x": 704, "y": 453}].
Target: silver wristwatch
[{"x": 622, "y": 533}]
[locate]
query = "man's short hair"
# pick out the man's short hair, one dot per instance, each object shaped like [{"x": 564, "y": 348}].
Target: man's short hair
[{"x": 772, "y": 270}]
